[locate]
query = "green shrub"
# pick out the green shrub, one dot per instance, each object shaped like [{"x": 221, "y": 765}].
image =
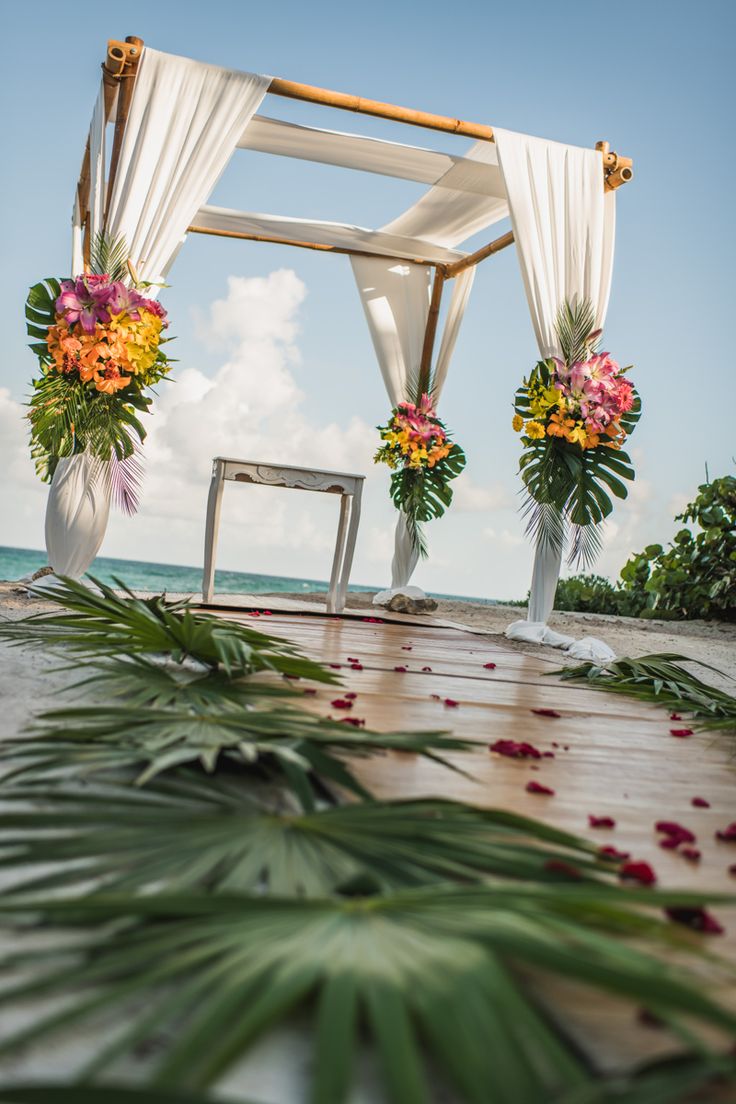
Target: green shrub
[
  {"x": 696, "y": 575},
  {"x": 586, "y": 594}
]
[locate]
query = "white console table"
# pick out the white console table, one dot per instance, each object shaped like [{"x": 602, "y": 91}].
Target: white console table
[{"x": 349, "y": 487}]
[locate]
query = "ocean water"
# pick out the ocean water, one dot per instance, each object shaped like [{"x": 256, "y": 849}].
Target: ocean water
[{"x": 173, "y": 578}]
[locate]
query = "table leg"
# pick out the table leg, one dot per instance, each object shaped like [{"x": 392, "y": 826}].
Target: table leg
[
  {"x": 333, "y": 599},
  {"x": 352, "y": 537},
  {"x": 212, "y": 525}
]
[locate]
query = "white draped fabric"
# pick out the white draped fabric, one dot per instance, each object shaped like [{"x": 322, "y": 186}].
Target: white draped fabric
[
  {"x": 96, "y": 184},
  {"x": 396, "y": 302},
  {"x": 563, "y": 226},
  {"x": 185, "y": 121}
]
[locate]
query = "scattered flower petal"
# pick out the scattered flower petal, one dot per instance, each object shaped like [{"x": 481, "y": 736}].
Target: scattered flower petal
[
  {"x": 451, "y": 703},
  {"x": 515, "y": 749},
  {"x": 681, "y": 733},
  {"x": 353, "y": 659},
  {"x": 435, "y": 697},
  {"x": 700, "y": 803},
  {"x": 674, "y": 832},
  {"x": 350, "y": 695},
  {"x": 690, "y": 853},
  {"x": 336, "y": 666},
  {"x": 489, "y": 666},
  {"x": 548, "y": 754},
  {"x": 310, "y": 691},
  {"x": 537, "y": 788},
  {"x": 341, "y": 703},
  {"x": 374, "y": 620},
  {"x": 675, "y": 717},
  {"x": 401, "y": 670},
  {"x": 546, "y": 712},
  {"x": 727, "y": 835},
  {"x": 294, "y": 678},
  {"x": 406, "y": 647},
  {"x": 601, "y": 821},
  {"x": 357, "y": 722},
  {"x": 699, "y": 919},
  {"x": 732, "y": 869},
  {"x": 356, "y": 666},
  {"x": 637, "y": 872},
  {"x": 426, "y": 668},
  {"x": 613, "y": 854},
  {"x": 558, "y": 866}
]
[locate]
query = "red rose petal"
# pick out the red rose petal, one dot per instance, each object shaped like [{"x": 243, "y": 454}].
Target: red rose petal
[
  {"x": 700, "y": 803},
  {"x": 637, "y": 872},
  {"x": 435, "y": 697},
  {"x": 401, "y": 670},
  {"x": 515, "y": 749},
  {"x": 308, "y": 691},
  {"x": 699, "y": 919},
  {"x": 351, "y": 696},
  {"x": 266, "y": 613},
  {"x": 681, "y": 733},
  {"x": 353, "y": 659},
  {"x": 489, "y": 666},
  {"x": 732, "y": 869},
  {"x": 675, "y": 831},
  {"x": 341, "y": 703},
  {"x": 538, "y": 788},
  {"x": 690, "y": 853},
  {"x": 675, "y": 717},
  {"x": 613, "y": 854},
  {"x": 546, "y": 712},
  {"x": 451, "y": 703},
  {"x": 356, "y": 666},
  {"x": 601, "y": 821},
  {"x": 374, "y": 620},
  {"x": 357, "y": 722},
  {"x": 727, "y": 835},
  {"x": 548, "y": 754},
  {"x": 406, "y": 647},
  {"x": 671, "y": 843},
  {"x": 335, "y": 666},
  {"x": 426, "y": 668}
]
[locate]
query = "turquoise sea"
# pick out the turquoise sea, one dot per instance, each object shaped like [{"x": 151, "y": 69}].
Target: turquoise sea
[{"x": 16, "y": 562}]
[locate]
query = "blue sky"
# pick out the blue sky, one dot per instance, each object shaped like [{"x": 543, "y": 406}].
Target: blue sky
[{"x": 654, "y": 79}]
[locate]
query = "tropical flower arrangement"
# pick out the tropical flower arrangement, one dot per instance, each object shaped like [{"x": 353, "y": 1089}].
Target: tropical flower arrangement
[
  {"x": 423, "y": 458},
  {"x": 99, "y": 346},
  {"x": 575, "y": 412}
]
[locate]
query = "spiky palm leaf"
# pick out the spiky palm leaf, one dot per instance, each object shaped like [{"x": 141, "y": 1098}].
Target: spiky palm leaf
[
  {"x": 98, "y": 622},
  {"x": 108, "y": 255},
  {"x": 661, "y": 679},
  {"x": 668, "y": 1081},
  {"x": 435, "y": 966},
  {"x": 188, "y": 832},
  {"x": 574, "y": 326},
  {"x": 298, "y": 745}
]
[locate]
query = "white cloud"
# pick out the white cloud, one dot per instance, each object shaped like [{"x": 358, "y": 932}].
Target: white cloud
[{"x": 468, "y": 498}]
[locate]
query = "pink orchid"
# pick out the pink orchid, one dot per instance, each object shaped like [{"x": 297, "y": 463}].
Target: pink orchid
[{"x": 125, "y": 300}]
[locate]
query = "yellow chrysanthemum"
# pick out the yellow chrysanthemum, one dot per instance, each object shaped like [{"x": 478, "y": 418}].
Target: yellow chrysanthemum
[
  {"x": 534, "y": 430},
  {"x": 517, "y": 422}
]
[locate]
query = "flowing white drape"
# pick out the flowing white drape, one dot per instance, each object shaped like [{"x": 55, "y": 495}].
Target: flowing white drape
[
  {"x": 563, "y": 226},
  {"x": 185, "y": 121},
  {"x": 184, "y": 124},
  {"x": 396, "y": 300}
]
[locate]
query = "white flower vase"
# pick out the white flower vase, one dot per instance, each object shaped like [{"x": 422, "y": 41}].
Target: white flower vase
[{"x": 76, "y": 516}]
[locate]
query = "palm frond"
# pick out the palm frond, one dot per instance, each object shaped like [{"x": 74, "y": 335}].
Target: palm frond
[
  {"x": 111, "y": 1094},
  {"x": 224, "y": 834},
  {"x": 661, "y": 678},
  {"x": 125, "y": 477},
  {"x": 435, "y": 966},
  {"x": 586, "y": 542},
  {"x": 574, "y": 325},
  {"x": 109, "y": 255},
  {"x": 98, "y": 622}
]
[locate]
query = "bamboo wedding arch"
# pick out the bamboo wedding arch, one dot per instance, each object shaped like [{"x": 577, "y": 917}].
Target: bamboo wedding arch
[{"x": 119, "y": 71}]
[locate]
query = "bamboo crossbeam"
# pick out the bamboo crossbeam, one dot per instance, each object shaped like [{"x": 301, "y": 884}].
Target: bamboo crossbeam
[
  {"x": 311, "y": 94},
  {"x": 425, "y": 366},
  {"x": 452, "y": 270},
  {"x": 320, "y": 246}
]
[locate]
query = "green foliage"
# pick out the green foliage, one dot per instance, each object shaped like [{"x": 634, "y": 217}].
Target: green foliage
[
  {"x": 425, "y": 493},
  {"x": 202, "y": 909},
  {"x": 109, "y": 255},
  {"x": 110, "y": 1094},
  {"x": 696, "y": 575},
  {"x": 661, "y": 679}
]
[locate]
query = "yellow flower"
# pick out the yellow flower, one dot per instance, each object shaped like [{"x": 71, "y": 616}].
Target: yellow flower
[
  {"x": 517, "y": 422},
  {"x": 534, "y": 430}
]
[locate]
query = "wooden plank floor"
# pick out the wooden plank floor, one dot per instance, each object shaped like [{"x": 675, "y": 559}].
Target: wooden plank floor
[{"x": 612, "y": 757}]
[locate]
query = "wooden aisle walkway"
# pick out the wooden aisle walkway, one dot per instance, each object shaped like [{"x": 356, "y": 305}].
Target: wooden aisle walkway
[{"x": 612, "y": 757}]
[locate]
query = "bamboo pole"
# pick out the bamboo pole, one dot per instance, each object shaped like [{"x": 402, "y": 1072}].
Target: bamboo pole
[
  {"x": 454, "y": 269},
  {"x": 320, "y": 246},
  {"x": 310, "y": 93},
  {"x": 122, "y": 65},
  {"x": 425, "y": 366}
]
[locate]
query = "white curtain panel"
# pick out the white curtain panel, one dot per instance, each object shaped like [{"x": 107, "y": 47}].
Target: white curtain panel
[
  {"x": 97, "y": 161},
  {"x": 564, "y": 227},
  {"x": 185, "y": 121},
  {"x": 396, "y": 302}
]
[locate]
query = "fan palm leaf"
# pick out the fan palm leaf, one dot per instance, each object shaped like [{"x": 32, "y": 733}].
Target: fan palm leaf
[
  {"x": 435, "y": 966},
  {"x": 661, "y": 678},
  {"x": 186, "y": 831},
  {"x": 100, "y": 622}
]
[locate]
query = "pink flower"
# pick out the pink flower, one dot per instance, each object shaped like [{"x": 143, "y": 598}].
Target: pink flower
[{"x": 85, "y": 300}]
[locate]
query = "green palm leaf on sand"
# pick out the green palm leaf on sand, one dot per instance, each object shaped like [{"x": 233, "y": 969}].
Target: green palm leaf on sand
[{"x": 433, "y": 967}]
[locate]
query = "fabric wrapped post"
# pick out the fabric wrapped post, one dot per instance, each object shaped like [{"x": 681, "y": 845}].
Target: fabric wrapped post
[
  {"x": 76, "y": 516},
  {"x": 564, "y": 227}
]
